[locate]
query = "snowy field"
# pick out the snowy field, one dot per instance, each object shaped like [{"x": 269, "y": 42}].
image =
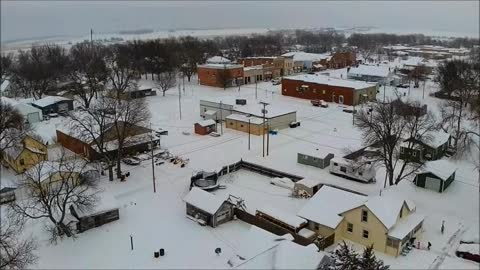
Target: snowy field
[{"x": 157, "y": 220}]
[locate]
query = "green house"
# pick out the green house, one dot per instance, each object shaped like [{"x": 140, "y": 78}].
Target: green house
[
  {"x": 432, "y": 148},
  {"x": 436, "y": 175}
]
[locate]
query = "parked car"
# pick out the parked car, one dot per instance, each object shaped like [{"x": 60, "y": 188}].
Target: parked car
[
  {"x": 131, "y": 161},
  {"x": 469, "y": 252},
  {"x": 214, "y": 134},
  {"x": 276, "y": 81},
  {"x": 402, "y": 85},
  {"x": 53, "y": 115},
  {"x": 350, "y": 110}
]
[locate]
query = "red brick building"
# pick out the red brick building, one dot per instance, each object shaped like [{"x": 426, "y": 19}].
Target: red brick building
[
  {"x": 220, "y": 75},
  {"x": 340, "y": 60},
  {"x": 205, "y": 127},
  {"x": 329, "y": 89}
]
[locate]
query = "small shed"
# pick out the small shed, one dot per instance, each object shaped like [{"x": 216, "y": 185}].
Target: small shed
[
  {"x": 207, "y": 209},
  {"x": 436, "y": 175},
  {"x": 53, "y": 104},
  {"x": 315, "y": 158},
  {"x": 105, "y": 211},
  {"x": 7, "y": 194},
  {"x": 240, "y": 122},
  {"x": 205, "y": 127},
  {"x": 306, "y": 187}
]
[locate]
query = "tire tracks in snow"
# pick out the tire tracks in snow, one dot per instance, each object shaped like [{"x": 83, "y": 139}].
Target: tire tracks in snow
[{"x": 447, "y": 248}]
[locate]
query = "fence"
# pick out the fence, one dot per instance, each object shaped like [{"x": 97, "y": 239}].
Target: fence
[
  {"x": 258, "y": 169},
  {"x": 268, "y": 226}
]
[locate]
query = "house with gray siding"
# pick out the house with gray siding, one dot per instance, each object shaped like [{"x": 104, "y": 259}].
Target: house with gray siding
[{"x": 315, "y": 158}]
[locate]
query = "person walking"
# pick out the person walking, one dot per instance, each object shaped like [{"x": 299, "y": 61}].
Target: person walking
[
  {"x": 429, "y": 245},
  {"x": 443, "y": 226}
]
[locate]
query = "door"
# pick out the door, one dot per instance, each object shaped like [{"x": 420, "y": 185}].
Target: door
[
  {"x": 432, "y": 183},
  {"x": 63, "y": 107},
  {"x": 222, "y": 217},
  {"x": 340, "y": 99}
]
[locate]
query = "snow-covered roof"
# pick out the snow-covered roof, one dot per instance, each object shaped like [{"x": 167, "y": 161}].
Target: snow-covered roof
[
  {"x": 254, "y": 108},
  {"x": 370, "y": 70},
  {"x": 309, "y": 182},
  {"x": 326, "y": 205},
  {"x": 304, "y": 56},
  {"x": 326, "y": 80},
  {"x": 218, "y": 60},
  {"x": 257, "y": 67},
  {"x": 287, "y": 218},
  {"x": 314, "y": 152},
  {"x": 49, "y": 100},
  {"x": 129, "y": 141},
  {"x": 106, "y": 202},
  {"x": 387, "y": 207},
  {"x": 203, "y": 200},
  {"x": 442, "y": 168},
  {"x": 437, "y": 138},
  {"x": 221, "y": 66},
  {"x": 418, "y": 61},
  {"x": 406, "y": 225},
  {"x": 4, "y": 85},
  {"x": 243, "y": 118},
  {"x": 23, "y": 109},
  {"x": 306, "y": 232},
  {"x": 206, "y": 123},
  {"x": 44, "y": 169},
  {"x": 290, "y": 255}
]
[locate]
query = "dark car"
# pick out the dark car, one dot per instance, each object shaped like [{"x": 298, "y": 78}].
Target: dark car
[
  {"x": 469, "y": 252},
  {"x": 402, "y": 86}
]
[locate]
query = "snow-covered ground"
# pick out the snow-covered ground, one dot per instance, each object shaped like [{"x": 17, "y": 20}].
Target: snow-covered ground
[{"x": 157, "y": 220}]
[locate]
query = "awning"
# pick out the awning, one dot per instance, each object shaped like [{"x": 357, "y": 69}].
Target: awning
[{"x": 210, "y": 112}]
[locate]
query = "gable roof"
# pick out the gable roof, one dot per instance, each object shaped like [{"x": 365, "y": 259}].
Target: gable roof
[
  {"x": 45, "y": 169},
  {"x": 326, "y": 205},
  {"x": 387, "y": 207},
  {"x": 285, "y": 217},
  {"x": 441, "y": 168},
  {"x": 206, "y": 123},
  {"x": 203, "y": 200}
]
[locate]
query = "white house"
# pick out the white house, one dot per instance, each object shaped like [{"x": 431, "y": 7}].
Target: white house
[
  {"x": 29, "y": 113},
  {"x": 371, "y": 73}
]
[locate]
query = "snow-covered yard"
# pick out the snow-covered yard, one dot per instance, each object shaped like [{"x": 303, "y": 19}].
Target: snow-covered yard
[{"x": 157, "y": 220}]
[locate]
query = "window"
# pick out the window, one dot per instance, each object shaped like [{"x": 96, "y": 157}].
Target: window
[
  {"x": 22, "y": 162},
  {"x": 365, "y": 234},
  {"x": 349, "y": 227},
  {"x": 231, "y": 123},
  {"x": 241, "y": 125},
  {"x": 323, "y": 92},
  {"x": 335, "y": 164},
  {"x": 414, "y": 153},
  {"x": 317, "y": 227},
  {"x": 360, "y": 173},
  {"x": 392, "y": 242},
  {"x": 364, "y": 216},
  {"x": 343, "y": 169}
]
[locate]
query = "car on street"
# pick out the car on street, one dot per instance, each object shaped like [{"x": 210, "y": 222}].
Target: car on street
[
  {"x": 131, "y": 161},
  {"x": 276, "y": 81},
  {"x": 469, "y": 252},
  {"x": 214, "y": 134}
]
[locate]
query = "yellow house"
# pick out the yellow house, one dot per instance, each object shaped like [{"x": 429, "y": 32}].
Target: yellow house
[
  {"x": 24, "y": 155},
  {"x": 387, "y": 222},
  {"x": 48, "y": 174}
]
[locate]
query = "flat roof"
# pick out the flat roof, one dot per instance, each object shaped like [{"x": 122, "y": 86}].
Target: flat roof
[
  {"x": 370, "y": 70},
  {"x": 326, "y": 80},
  {"x": 243, "y": 118},
  {"x": 220, "y": 66}
]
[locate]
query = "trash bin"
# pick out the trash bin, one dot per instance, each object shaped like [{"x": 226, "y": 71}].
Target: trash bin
[
  {"x": 156, "y": 254},
  {"x": 162, "y": 252}
]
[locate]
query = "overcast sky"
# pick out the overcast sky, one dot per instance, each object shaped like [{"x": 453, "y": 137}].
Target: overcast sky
[{"x": 50, "y": 18}]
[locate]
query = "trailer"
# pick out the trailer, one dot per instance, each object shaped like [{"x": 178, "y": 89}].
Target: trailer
[{"x": 361, "y": 171}]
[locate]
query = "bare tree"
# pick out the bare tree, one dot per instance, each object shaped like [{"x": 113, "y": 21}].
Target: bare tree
[
  {"x": 92, "y": 124},
  {"x": 460, "y": 80},
  {"x": 385, "y": 127},
  {"x": 87, "y": 70},
  {"x": 123, "y": 73},
  {"x": 166, "y": 80},
  {"x": 12, "y": 126},
  {"x": 37, "y": 71},
  {"x": 50, "y": 188},
  {"x": 6, "y": 61},
  {"x": 15, "y": 252},
  {"x": 131, "y": 114}
]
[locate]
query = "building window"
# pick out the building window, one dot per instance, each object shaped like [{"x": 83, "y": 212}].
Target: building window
[
  {"x": 360, "y": 173},
  {"x": 343, "y": 169},
  {"x": 22, "y": 162},
  {"x": 364, "y": 216},
  {"x": 323, "y": 92},
  {"x": 349, "y": 227},
  {"x": 335, "y": 164},
  {"x": 340, "y": 99},
  {"x": 241, "y": 125},
  {"x": 392, "y": 242},
  {"x": 317, "y": 227},
  {"x": 365, "y": 234}
]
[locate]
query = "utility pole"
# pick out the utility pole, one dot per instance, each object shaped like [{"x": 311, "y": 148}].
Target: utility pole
[
  {"x": 221, "y": 118},
  {"x": 353, "y": 115},
  {"x": 179, "y": 102},
  {"x": 248, "y": 133},
  {"x": 153, "y": 163},
  {"x": 91, "y": 36},
  {"x": 424, "y": 82},
  {"x": 268, "y": 137},
  {"x": 256, "y": 83},
  {"x": 183, "y": 83},
  {"x": 384, "y": 92},
  {"x": 264, "y": 111}
]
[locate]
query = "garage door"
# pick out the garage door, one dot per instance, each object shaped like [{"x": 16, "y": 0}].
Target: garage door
[
  {"x": 62, "y": 107},
  {"x": 33, "y": 117},
  {"x": 432, "y": 183}
]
